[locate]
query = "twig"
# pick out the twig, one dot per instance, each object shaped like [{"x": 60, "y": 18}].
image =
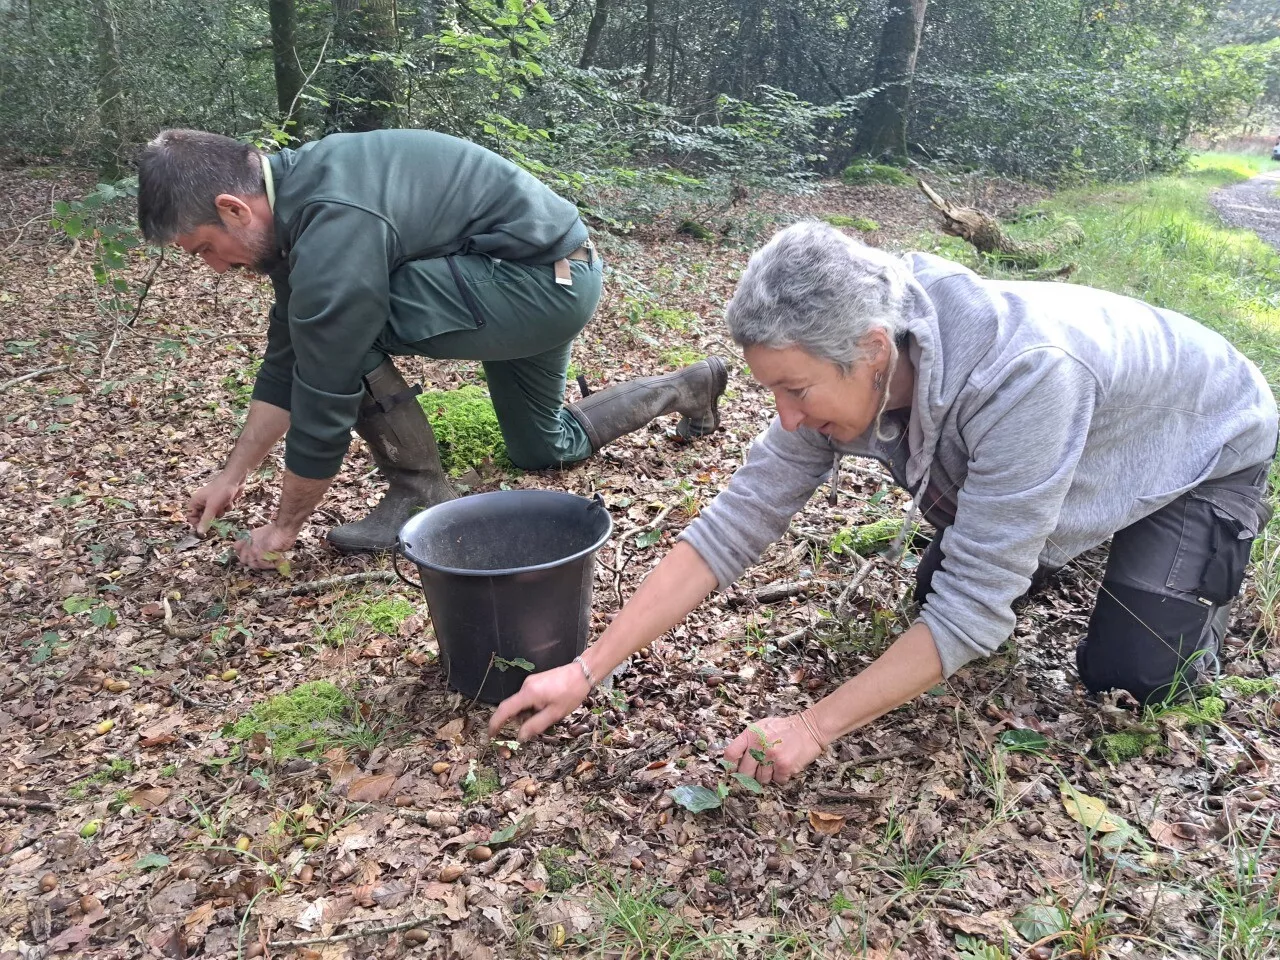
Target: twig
[
  {"x": 192, "y": 701},
  {"x": 21, "y": 230},
  {"x": 312, "y": 586},
  {"x": 177, "y": 632},
  {"x": 31, "y": 376},
  {"x": 353, "y": 935},
  {"x": 22, "y": 803},
  {"x": 109, "y": 523},
  {"x": 853, "y": 585}
]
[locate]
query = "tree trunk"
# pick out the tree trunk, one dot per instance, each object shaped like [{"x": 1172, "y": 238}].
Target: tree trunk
[
  {"x": 650, "y": 47},
  {"x": 284, "y": 54},
  {"x": 372, "y": 88},
  {"x": 110, "y": 90},
  {"x": 594, "y": 32},
  {"x": 884, "y": 127}
]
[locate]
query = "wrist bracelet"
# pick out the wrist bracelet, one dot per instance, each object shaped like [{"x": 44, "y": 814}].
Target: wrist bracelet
[
  {"x": 812, "y": 728},
  {"x": 586, "y": 672}
]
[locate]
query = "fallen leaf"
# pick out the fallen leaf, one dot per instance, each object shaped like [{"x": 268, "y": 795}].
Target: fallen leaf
[
  {"x": 369, "y": 789},
  {"x": 827, "y": 824},
  {"x": 1089, "y": 811},
  {"x": 451, "y": 731},
  {"x": 149, "y": 798},
  {"x": 452, "y": 895},
  {"x": 197, "y": 922}
]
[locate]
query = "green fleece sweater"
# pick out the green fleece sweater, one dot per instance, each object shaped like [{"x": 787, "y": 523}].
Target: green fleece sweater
[{"x": 349, "y": 210}]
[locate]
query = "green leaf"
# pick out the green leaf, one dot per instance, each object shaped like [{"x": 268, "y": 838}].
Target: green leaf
[
  {"x": 695, "y": 799},
  {"x": 751, "y": 783},
  {"x": 648, "y": 538},
  {"x": 1036, "y": 921},
  {"x": 78, "y": 604},
  {"x": 152, "y": 861},
  {"x": 103, "y": 616},
  {"x": 505, "y": 835},
  {"x": 1023, "y": 741}
]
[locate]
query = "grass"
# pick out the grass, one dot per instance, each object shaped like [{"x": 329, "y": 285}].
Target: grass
[{"x": 1244, "y": 905}]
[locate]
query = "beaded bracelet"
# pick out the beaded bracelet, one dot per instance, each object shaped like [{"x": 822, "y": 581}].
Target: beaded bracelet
[{"x": 586, "y": 672}]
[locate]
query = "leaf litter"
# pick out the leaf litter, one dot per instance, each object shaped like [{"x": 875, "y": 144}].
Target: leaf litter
[{"x": 167, "y": 835}]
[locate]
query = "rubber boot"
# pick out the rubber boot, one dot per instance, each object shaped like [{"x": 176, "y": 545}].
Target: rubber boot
[
  {"x": 403, "y": 446},
  {"x": 693, "y": 392}
]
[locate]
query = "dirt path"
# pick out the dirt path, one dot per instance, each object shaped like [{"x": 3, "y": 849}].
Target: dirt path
[{"x": 1254, "y": 205}]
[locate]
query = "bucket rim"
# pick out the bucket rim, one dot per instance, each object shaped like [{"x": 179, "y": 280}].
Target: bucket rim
[{"x": 596, "y": 502}]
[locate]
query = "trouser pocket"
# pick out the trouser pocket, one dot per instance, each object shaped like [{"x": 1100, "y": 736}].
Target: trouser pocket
[{"x": 1218, "y": 529}]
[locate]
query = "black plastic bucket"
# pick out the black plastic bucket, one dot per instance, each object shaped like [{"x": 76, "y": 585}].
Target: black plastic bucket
[{"x": 507, "y": 576}]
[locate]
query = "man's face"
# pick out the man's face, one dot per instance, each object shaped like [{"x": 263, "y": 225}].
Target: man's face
[{"x": 223, "y": 248}]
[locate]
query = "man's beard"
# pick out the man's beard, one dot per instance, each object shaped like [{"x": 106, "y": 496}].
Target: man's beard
[{"x": 264, "y": 251}]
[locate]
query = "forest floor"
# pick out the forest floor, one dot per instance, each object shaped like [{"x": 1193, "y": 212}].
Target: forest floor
[{"x": 201, "y": 760}]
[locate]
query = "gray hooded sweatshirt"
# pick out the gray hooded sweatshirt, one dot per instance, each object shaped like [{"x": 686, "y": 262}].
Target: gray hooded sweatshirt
[{"x": 1045, "y": 418}]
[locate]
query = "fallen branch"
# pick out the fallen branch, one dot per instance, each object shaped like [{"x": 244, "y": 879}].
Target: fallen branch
[
  {"x": 987, "y": 236},
  {"x": 312, "y": 586},
  {"x": 353, "y": 935},
  {"x": 31, "y": 376},
  {"x": 22, "y": 803},
  {"x": 774, "y": 592}
]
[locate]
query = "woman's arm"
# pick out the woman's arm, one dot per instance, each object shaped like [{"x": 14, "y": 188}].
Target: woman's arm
[
  {"x": 677, "y": 584},
  {"x": 788, "y": 744}
]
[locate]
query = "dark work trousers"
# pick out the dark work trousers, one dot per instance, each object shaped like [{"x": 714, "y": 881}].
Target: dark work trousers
[
  {"x": 519, "y": 322},
  {"x": 1161, "y": 610}
]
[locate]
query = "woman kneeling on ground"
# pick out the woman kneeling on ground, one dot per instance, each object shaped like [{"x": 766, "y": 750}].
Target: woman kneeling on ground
[{"x": 1029, "y": 421}]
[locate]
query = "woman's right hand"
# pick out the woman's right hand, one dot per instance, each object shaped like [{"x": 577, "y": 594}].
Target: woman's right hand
[
  {"x": 547, "y": 697},
  {"x": 212, "y": 500}
]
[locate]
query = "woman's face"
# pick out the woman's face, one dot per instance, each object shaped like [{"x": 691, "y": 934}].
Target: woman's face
[{"x": 814, "y": 393}]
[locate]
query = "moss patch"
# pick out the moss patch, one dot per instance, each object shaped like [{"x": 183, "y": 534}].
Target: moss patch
[
  {"x": 1116, "y": 748},
  {"x": 383, "y": 614},
  {"x": 865, "y": 172},
  {"x": 305, "y": 721},
  {"x": 853, "y": 223},
  {"x": 1200, "y": 711},
  {"x": 560, "y": 875},
  {"x": 868, "y": 538},
  {"x": 479, "y": 782},
  {"x": 1251, "y": 686},
  {"x": 466, "y": 428}
]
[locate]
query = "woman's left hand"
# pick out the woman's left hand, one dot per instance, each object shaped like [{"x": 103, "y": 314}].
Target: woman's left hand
[{"x": 784, "y": 743}]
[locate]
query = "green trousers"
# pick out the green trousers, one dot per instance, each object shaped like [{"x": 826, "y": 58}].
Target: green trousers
[{"x": 519, "y": 323}]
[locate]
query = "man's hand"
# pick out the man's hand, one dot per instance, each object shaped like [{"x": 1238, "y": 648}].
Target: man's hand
[
  {"x": 212, "y": 500},
  {"x": 775, "y": 749},
  {"x": 265, "y": 547},
  {"x": 549, "y": 696}
]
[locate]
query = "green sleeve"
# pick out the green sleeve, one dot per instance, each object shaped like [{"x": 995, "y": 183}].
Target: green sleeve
[
  {"x": 274, "y": 384},
  {"x": 340, "y": 265}
]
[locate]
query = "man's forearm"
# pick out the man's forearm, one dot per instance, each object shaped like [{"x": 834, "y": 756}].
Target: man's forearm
[
  {"x": 298, "y": 498},
  {"x": 677, "y": 584},
  {"x": 263, "y": 428},
  {"x": 908, "y": 668}
]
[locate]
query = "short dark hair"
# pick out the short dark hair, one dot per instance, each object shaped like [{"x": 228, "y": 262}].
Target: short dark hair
[{"x": 182, "y": 172}]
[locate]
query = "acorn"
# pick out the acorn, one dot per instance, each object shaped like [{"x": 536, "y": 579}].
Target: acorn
[
  {"x": 48, "y": 882},
  {"x": 105, "y": 727},
  {"x": 90, "y": 904},
  {"x": 480, "y": 854},
  {"x": 439, "y": 767},
  {"x": 452, "y": 871}
]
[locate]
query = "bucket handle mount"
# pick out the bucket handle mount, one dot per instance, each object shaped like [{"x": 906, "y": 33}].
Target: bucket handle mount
[{"x": 396, "y": 554}]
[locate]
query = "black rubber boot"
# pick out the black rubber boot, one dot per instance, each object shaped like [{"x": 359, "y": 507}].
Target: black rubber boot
[
  {"x": 693, "y": 392},
  {"x": 404, "y": 448}
]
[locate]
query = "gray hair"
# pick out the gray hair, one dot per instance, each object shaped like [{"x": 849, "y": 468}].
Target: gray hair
[
  {"x": 815, "y": 288},
  {"x": 182, "y": 172}
]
